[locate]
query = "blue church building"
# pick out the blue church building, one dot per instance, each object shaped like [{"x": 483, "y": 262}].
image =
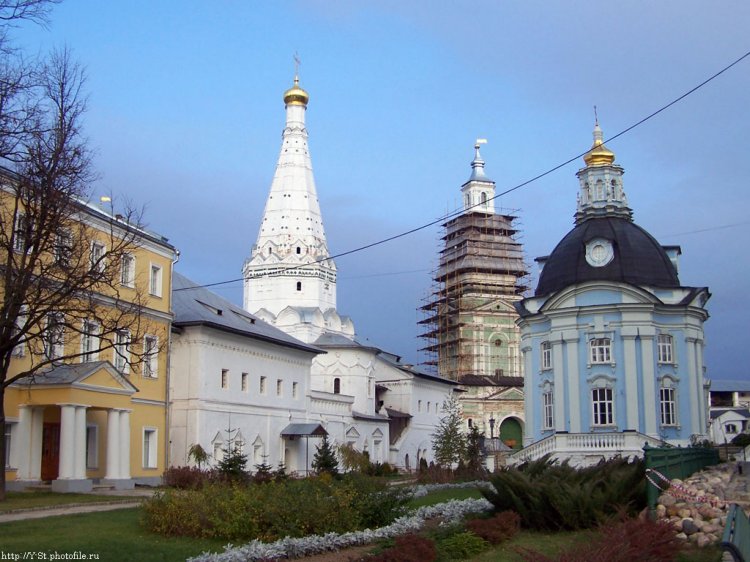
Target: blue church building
[{"x": 612, "y": 343}]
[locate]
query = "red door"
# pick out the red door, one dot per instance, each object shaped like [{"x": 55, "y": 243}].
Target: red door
[{"x": 50, "y": 451}]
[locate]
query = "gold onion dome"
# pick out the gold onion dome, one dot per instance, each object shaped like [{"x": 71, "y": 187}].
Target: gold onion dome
[
  {"x": 296, "y": 95},
  {"x": 599, "y": 155}
]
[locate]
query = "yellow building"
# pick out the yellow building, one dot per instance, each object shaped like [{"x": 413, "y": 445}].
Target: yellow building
[{"x": 96, "y": 412}]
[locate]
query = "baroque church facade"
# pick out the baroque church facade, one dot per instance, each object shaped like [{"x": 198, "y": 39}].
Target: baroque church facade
[
  {"x": 612, "y": 341},
  {"x": 275, "y": 376}
]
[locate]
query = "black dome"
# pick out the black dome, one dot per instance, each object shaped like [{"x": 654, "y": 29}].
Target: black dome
[{"x": 638, "y": 258}]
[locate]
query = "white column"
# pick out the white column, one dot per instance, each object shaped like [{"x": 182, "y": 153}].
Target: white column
[
  {"x": 571, "y": 340},
  {"x": 67, "y": 441},
  {"x": 530, "y": 427},
  {"x": 560, "y": 397},
  {"x": 79, "y": 453},
  {"x": 649, "y": 384},
  {"x": 631, "y": 379},
  {"x": 125, "y": 444},
  {"x": 703, "y": 409},
  {"x": 113, "y": 445},
  {"x": 24, "y": 442}
]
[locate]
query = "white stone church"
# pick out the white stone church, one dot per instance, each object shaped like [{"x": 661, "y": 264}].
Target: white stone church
[{"x": 277, "y": 375}]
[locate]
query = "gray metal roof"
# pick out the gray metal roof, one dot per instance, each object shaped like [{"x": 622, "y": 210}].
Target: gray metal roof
[
  {"x": 194, "y": 305},
  {"x": 304, "y": 429},
  {"x": 73, "y": 372},
  {"x": 729, "y": 386}
]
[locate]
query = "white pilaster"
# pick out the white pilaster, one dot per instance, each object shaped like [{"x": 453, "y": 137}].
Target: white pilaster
[
  {"x": 113, "y": 445},
  {"x": 67, "y": 441},
  {"x": 632, "y": 399},
  {"x": 571, "y": 339},
  {"x": 35, "y": 443},
  {"x": 24, "y": 436},
  {"x": 649, "y": 385},
  {"x": 125, "y": 444},
  {"x": 693, "y": 386},
  {"x": 560, "y": 397},
  {"x": 529, "y": 395}
]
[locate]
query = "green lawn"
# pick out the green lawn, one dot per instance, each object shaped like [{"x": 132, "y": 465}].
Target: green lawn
[
  {"x": 29, "y": 500},
  {"x": 113, "y": 535}
]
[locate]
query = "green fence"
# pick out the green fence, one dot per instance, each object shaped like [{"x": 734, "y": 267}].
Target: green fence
[{"x": 675, "y": 462}]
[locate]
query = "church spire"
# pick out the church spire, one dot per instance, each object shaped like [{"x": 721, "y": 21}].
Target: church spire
[
  {"x": 479, "y": 192},
  {"x": 289, "y": 265},
  {"x": 601, "y": 191}
]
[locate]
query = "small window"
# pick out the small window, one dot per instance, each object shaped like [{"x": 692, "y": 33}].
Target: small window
[
  {"x": 483, "y": 198},
  {"x": 498, "y": 342},
  {"x": 548, "y": 412},
  {"x": 601, "y": 350},
  {"x": 224, "y": 378},
  {"x": 122, "y": 351},
  {"x": 730, "y": 428},
  {"x": 665, "y": 348},
  {"x": 299, "y": 250},
  {"x": 149, "y": 448},
  {"x": 337, "y": 385},
  {"x": 262, "y": 385},
  {"x": 63, "y": 248},
  {"x": 150, "y": 356},
  {"x": 428, "y": 407},
  {"x": 299, "y": 285},
  {"x": 21, "y": 233},
  {"x": 89, "y": 341},
  {"x": 603, "y": 406},
  {"x": 97, "y": 256},
  {"x": 295, "y": 390},
  {"x": 279, "y": 387},
  {"x": 419, "y": 405},
  {"x": 269, "y": 250},
  {"x": 155, "y": 281},
  {"x": 470, "y": 423},
  {"x": 244, "y": 382},
  {"x": 127, "y": 271},
  {"x": 546, "y": 355},
  {"x": 8, "y": 441},
  {"x": 667, "y": 406},
  {"x": 54, "y": 337}
]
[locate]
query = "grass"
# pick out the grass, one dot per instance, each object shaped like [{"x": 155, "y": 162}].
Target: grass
[
  {"x": 440, "y": 496},
  {"x": 114, "y": 535},
  {"x": 30, "y": 500}
]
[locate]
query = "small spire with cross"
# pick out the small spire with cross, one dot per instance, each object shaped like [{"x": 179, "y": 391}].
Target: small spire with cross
[{"x": 297, "y": 62}]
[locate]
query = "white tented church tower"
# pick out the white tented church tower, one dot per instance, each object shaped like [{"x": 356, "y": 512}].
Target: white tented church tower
[{"x": 290, "y": 280}]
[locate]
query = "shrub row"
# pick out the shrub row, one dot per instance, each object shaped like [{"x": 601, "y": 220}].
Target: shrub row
[
  {"x": 293, "y": 508},
  {"x": 549, "y": 496}
]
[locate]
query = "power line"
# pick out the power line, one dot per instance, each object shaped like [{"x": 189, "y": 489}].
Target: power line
[{"x": 509, "y": 190}]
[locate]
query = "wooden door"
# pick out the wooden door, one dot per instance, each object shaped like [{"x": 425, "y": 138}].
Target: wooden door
[{"x": 50, "y": 451}]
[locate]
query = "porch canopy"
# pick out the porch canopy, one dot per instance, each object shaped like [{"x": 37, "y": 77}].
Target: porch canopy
[{"x": 303, "y": 430}]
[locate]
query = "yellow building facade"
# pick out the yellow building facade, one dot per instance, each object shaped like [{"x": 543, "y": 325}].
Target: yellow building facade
[{"x": 99, "y": 415}]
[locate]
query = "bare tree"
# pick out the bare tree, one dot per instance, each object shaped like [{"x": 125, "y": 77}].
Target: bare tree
[{"x": 61, "y": 259}]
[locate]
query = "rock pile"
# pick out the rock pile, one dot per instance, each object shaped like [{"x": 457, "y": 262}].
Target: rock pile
[{"x": 697, "y": 506}]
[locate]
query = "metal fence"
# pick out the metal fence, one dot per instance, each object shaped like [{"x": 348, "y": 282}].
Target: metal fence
[{"x": 675, "y": 462}]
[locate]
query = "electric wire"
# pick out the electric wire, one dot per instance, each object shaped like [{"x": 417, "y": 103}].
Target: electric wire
[{"x": 453, "y": 214}]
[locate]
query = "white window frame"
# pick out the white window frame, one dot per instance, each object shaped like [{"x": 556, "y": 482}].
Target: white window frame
[
  {"x": 90, "y": 341},
  {"x": 546, "y": 351},
  {"x": 600, "y": 351},
  {"x": 92, "y": 446},
  {"x": 668, "y": 406},
  {"x": 9, "y": 433},
  {"x": 548, "y": 409},
  {"x": 127, "y": 270},
  {"x": 19, "y": 233},
  {"x": 602, "y": 406},
  {"x": 150, "y": 449},
  {"x": 155, "y": 280},
  {"x": 98, "y": 251},
  {"x": 121, "y": 351},
  {"x": 63, "y": 247},
  {"x": 20, "y": 349},
  {"x": 295, "y": 390},
  {"x": 150, "y": 356},
  {"x": 244, "y": 382},
  {"x": 54, "y": 337},
  {"x": 665, "y": 349}
]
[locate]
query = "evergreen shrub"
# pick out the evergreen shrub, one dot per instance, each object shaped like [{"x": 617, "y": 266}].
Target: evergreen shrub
[
  {"x": 294, "y": 508},
  {"x": 461, "y": 546},
  {"x": 549, "y": 496}
]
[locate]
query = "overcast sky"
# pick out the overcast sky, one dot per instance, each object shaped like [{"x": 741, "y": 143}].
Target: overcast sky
[{"x": 186, "y": 115}]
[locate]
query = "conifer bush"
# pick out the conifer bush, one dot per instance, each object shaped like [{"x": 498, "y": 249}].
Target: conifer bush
[{"x": 549, "y": 496}]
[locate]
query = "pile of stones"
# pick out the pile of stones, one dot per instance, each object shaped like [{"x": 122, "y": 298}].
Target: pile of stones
[{"x": 697, "y": 506}]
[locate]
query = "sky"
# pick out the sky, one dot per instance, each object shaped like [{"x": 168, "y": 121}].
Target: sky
[{"x": 186, "y": 113}]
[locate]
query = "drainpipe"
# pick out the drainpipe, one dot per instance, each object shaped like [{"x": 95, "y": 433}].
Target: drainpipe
[{"x": 167, "y": 413}]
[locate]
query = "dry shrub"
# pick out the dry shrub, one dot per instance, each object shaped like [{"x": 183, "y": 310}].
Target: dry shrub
[
  {"x": 185, "y": 477},
  {"x": 408, "y": 548},
  {"x": 629, "y": 540},
  {"x": 497, "y": 529}
]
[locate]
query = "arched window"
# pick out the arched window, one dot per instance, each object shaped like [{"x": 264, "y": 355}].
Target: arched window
[
  {"x": 337, "y": 385},
  {"x": 601, "y": 191},
  {"x": 299, "y": 250},
  {"x": 269, "y": 250},
  {"x": 299, "y": 285},
  {"x": 483, "y": 198}
]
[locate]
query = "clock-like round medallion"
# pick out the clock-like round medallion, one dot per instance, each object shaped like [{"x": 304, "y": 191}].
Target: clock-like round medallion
[{"x": 599, "y": 252}]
